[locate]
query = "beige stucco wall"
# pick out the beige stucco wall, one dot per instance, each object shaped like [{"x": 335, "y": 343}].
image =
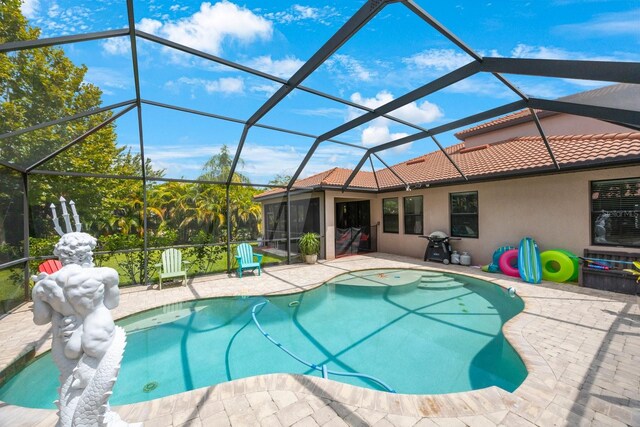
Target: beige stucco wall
[
  {"x": 560, "y": 124},
  {"x": 553, "y": 209}
]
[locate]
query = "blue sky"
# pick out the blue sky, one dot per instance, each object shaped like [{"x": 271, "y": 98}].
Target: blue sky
[{"x": 394, "y": 53}]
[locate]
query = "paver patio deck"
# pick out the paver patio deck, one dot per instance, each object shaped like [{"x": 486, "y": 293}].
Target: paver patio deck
[{"x": 581, "y": 348}]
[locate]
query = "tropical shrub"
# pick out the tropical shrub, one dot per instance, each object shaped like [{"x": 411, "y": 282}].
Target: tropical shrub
[
  {"x": 205, "y": 254},
  {"x": 309, "y": 244}
]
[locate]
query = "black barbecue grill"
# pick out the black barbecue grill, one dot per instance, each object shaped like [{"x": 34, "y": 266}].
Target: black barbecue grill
[{"x": 438, "y": 248}]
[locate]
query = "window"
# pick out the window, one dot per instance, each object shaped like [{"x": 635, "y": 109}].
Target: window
[
  {"x": 390, "y": 219},
  {"x": 413, "y": 215},
  {"x": 464, "y": 214},
  {"x": 615, "y": 212}
]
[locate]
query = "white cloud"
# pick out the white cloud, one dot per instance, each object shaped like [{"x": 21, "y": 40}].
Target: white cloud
[
  {"x": 540, "y": 52},
  {"x": 438, "y": 59},
  {"x": 321, "y": 112},
  {"x": 327, "y": 156},
  {"x": 149, "y": 25},
  {"x": 299, "y": 13},
  {"x": 55, "y": 20},
  {"x": 552, "y": 88},
  {"x": 279, "y": 67},
  {"x": 30, "y": 8},
  {"x": 481, "y": 85},
  {"x": 306, "y": 12},
  {"x": 551, "y": 52},
  {"x": 188, "y": 163},
  {"x": 607, "y": 24},
  {"x": 108, "y": 78},
  {"x": 376, "y": 134},
  {"x": 117, "y": 46},
  {"x": 211, "y": 26},
  {"x": 179, "y": 162},
  {"x": 224, "y": 85},
  {"x": 433, "y": 62},
  {"x": 350, "y": 66},
  {"x": 254, "y": 155},
  {"x": 177, "y": 7},
  {"x": 425, "y": 112},
  {"x": 266, "y": 89},
  {"x": 378, "y": 130},
  {"x": 587, "y": 84},
  {"x": 54, "y": 11}
]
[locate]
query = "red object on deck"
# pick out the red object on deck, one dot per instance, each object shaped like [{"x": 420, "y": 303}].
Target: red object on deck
[{"x": 50, "y": 266}]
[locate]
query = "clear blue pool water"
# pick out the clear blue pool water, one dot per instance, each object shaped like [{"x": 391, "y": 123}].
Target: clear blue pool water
[{"x": 419, "y": 332}]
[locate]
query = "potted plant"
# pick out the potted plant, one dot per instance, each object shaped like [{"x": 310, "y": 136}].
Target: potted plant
[{"x": 309, "y": 246}]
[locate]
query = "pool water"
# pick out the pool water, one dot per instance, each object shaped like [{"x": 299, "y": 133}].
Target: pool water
[{"x": 419, "y": 332}]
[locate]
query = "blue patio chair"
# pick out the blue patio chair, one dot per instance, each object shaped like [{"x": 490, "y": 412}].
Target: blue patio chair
[
  {"x": 245, "y": 258},
  {"x": 172, "y": 265}
]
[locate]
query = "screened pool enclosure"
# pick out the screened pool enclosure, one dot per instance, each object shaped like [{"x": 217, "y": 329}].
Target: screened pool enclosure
[{"x": 164, "y": 122}]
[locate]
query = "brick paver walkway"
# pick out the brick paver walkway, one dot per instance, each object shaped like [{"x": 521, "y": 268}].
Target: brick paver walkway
[{"x": 581, "y": 348}]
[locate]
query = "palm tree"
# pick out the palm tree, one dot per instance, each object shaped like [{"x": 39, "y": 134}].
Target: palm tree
[
  {"x": 128, "y": 217},
  {"x": 211, "y": 208},
  {"x": 243, "y": 210},
  {"x": 176, "y": 201},
  {"x": 218, "y": 167}
]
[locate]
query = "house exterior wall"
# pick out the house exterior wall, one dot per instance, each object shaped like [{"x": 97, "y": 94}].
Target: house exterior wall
[
  {"x": 558, "y": 124},
  {"x": 553, "y": 209}
]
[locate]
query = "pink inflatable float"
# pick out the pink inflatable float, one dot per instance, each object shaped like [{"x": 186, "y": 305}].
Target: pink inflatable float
[{"x": 509, "y": 263}]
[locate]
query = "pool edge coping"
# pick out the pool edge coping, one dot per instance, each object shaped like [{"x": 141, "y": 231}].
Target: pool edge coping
[{"x": 540, "y": 380}]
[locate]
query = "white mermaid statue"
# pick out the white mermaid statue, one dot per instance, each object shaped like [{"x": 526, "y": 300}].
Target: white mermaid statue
[{"x": 86, "y": 346}]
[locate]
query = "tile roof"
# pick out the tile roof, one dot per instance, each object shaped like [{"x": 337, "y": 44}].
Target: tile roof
[
  {"x": 521, "y": 154},
  {"x": 521, "y": 116},
  {"x": 516, "y": 154},
  {"x": 309, "y": 182},
  {"x": 332, "y": 177},
  {"x": 621, "y": 95}
]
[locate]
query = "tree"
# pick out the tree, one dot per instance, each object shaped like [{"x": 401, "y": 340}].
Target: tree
[
  {"x": 218, "y": 167},
  {"x": 280, "y": 179},
  {"x": 245, "y": 213},
  {"x": 41, "y": 85}
]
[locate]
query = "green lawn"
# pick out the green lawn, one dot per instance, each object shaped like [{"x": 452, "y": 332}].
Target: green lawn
[
  {"x": 10, "y": 288},
  {"x": 218, "y": 267},
  {"x": 11, "y": 278}
]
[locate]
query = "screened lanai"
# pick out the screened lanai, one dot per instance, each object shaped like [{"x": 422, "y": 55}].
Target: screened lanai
[{"x": 163, "y": 121}]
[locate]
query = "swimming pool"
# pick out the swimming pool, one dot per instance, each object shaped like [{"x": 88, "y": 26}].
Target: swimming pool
[{"x": 419, "y": 332}]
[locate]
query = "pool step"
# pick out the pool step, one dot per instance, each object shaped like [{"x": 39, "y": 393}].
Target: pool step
[
  {"x": 435, "y": 281},
  {"x": 452, "y": 284},
  {"x": 430, "y": 274}
]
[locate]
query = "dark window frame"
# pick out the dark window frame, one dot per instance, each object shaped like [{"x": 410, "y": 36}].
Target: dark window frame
[
  {"x": 475, "y": 214},
  {"x": 406, "y": 215},
  {"x": 618, "y": 215},
  {"x": 396, "y": 215}
]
